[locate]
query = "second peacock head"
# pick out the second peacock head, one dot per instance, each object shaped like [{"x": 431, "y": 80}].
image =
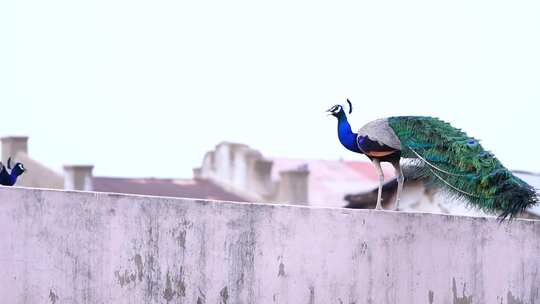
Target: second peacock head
[{"x": 18, "y": 169}]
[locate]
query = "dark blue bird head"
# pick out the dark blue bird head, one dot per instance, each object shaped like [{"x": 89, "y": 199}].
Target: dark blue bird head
[
  {"x": 338, "y": 110},
  {"x": 18, "y": 169}
]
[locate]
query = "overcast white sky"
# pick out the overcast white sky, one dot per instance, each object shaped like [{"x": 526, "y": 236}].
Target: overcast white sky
[{"x": 144, "y": 88}]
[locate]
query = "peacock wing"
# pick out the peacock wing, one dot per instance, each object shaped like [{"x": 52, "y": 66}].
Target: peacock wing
[{"x": 380, "y": 131}]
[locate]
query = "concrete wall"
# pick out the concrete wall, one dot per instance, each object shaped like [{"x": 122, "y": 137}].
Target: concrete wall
[{"x": 70, "y": 247}]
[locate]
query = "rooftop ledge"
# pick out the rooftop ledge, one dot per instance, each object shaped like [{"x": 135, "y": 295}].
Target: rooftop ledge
[{"x": 115, "y": 248}]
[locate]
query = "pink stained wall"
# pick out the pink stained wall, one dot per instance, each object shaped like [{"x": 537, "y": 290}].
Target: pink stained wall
[{"x": 86, "y": 247}]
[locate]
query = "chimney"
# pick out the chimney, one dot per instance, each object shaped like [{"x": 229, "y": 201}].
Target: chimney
[
  {"x": 252, "y": 156},
  {"x": 262, "y": 177},
  {"x": 293, "y": 186},
  {"x": 78, "y": 177},
  {"x": 239, "y": 168},
  {"x": 208, "y": 167},
  {"x": 12, "y": 145},
  {"x": 197, "y": 173}
]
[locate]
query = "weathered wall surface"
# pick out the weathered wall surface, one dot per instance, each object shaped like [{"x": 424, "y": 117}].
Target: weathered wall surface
[{"x": 69, "y": 247}]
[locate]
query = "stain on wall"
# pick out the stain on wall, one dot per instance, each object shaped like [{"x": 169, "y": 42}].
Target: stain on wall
[
  {"x": 168, "y": 293},
  {"x": 53, "y": 297},
  {"x": 281, "y": 270},
  {"x": 311, "y": 295},
  {"x": 224, "y": 295},
  {"x": 510, "y": 299},
  {"x": 241, "y": 249},
  {"x": 139, "y": 265},
  {"x": 463, "y": 299}
]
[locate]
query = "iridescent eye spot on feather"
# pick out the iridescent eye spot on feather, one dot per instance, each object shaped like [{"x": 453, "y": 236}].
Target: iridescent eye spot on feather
[{"x": 485, "y": 154}]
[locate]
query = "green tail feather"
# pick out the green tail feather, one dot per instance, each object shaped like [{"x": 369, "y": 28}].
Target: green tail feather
[{"x": 458, "y": 163}]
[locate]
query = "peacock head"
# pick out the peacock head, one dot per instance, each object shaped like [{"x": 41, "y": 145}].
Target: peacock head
[
  {"x": 338, "y": 110},
  {"x": 18, "y": 169}
]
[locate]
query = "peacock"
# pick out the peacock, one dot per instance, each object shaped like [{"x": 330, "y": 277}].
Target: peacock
[
  {"x": 440, "y": 154},
  {"x": 10, "y": 178}
]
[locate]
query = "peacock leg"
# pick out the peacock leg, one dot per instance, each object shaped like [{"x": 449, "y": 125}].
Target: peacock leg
[
  {"x": 377, "y": 164},
  {"x": 400, "y": 179}
]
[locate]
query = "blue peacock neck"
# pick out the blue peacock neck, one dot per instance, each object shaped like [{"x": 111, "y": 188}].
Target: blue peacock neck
[
  {"x": 345, "y": 133},
  {"x": 13, "y": 177}
]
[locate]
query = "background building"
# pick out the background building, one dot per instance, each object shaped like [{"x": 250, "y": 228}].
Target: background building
[
  {"x": 237, "y": 172},
  {"x": 80, "y": 177}
]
